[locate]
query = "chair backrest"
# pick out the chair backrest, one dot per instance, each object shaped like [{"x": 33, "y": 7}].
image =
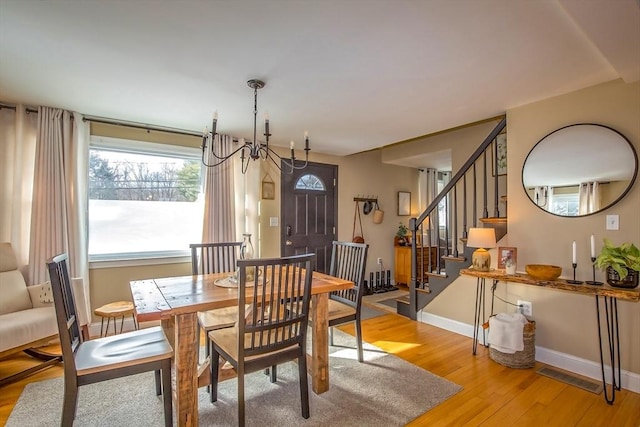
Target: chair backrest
[
  {"x": 209, "y": 258},
  {"x": 271, "y": 322},
  {"x": 64, "y": 302},
  {"x": 349, "y": 261}
]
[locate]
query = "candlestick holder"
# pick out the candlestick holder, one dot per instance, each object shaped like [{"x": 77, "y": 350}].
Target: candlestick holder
[
  {"x": 574, "y": 281},
  {"x": 593, "y": 266}
]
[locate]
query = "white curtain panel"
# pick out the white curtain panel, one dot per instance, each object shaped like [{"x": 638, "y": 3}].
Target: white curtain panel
[
  {"x": 589, "y": 198},
  {"x": 219, "y": 203},
  {"x": 17, "y": 153},
  {"x": 59, "y": 210}
]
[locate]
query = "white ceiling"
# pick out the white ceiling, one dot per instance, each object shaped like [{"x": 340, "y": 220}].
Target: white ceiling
[{"x": 357, "y": 74}]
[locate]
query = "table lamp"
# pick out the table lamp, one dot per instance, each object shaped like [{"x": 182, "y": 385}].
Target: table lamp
[{"x": 483, "y": 239}]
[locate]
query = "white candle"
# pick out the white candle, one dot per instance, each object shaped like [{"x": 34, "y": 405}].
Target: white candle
[
  {"x": 593, "y": 246},
  {"x": 574, "y": 252}
]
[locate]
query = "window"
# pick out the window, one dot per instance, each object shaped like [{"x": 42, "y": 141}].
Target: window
[
  {"x": 145, "y": 199},
  {"x": 310, "y": 182},
  {"x": 566, "y": 204}
]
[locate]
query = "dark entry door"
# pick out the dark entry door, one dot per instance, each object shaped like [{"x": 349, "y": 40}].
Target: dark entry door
[{"x": 309, "y": 211}]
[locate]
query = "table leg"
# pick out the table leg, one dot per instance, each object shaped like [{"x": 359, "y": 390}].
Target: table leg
[
  {"x": 480, "y": 284},
  {"x": 613, "y": 338},
  {"x": 320, "y": 343},
  {"x": 186, "y": 369}
]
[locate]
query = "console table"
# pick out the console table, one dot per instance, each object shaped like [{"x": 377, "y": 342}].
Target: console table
[{"x": 610, "y": 296}]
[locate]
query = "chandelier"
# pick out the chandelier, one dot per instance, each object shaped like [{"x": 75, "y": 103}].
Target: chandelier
[{"x": 251, "y": 150}]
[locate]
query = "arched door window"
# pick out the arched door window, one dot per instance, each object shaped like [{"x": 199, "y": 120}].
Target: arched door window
[{"x": 310, "y": 182}]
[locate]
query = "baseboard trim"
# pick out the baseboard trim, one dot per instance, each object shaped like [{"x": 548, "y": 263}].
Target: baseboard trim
[{"x": 587, "y": 368}]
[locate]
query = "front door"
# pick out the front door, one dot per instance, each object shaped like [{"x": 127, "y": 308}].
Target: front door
[{"x": 309, "y": 211}]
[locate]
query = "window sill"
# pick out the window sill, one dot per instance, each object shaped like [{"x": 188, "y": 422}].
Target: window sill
[{"x": 137, "y": 260}]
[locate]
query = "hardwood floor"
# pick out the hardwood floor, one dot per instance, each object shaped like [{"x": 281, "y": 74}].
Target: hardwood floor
[{"x": 493, "y": 395}]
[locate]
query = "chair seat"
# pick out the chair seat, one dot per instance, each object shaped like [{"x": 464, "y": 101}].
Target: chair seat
[
  {"x": 338, "y": 310},
  {"x": 218, "y": 318},
  {"x": 103, "y": 354}
]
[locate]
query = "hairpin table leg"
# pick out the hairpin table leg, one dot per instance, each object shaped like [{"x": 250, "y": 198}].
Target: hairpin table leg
[{"x": 613, "y": 338}]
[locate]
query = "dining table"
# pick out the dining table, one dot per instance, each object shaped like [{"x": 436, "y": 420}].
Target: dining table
[{"x": 175, "y": 301}]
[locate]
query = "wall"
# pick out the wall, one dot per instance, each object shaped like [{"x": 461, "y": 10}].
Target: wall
[{"x": 565, "y": 322}]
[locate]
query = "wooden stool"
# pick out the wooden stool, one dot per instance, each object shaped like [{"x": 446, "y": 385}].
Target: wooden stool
[{"x": 113, "y": 311}]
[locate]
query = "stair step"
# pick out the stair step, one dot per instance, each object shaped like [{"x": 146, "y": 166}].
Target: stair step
[
  {"x": 454, "y": 258},
  {"x": 424, "y": 291},
  {"x": 403, "y": 300},
  {"x": 441, "y": 275},
  {"x": 494, "y": 220}
]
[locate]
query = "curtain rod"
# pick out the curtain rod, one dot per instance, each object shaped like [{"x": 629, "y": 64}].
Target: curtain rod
[
  {"x": 148, "y": 128},
  {"x": 13, "y": 107}
]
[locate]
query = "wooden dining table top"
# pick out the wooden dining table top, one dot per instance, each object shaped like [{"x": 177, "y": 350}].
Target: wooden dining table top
[{"x": 170, "y": 296}]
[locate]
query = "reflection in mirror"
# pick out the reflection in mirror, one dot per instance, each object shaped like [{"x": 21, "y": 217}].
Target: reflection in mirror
[{"x": 579, "y": 170}]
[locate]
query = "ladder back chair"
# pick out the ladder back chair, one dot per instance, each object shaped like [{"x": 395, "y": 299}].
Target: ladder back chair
[
  {"x": 207, "y": 258},
  {"x": 88, "y": 362},
  {"x": 267, "y": 333},
  {"x": 348, "y": 261}
]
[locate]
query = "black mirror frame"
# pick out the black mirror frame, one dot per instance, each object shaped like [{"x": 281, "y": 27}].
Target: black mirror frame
[{"x": 624, "y": 193}]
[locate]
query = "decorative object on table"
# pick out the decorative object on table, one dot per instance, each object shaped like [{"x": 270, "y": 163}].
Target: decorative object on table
[
  {"x": 543, "y": 271},
  {"x": 246, "y": 252},
  {"x": 593, "y": 265},
  {"x": 355, "y": 237},
  {"x": 621, "y": 263},
  {"x": 251, "y": 150},
  {"x": 378, "y": 214},
  {"x": 483, "y": 239},
  {"x": 574, "y": 264},
  {"x": 404, "y": 203},
  {"x": 268, "y": 188},
  {"x": 508, "y": 259},
  {"x": 401, "y": 235}
]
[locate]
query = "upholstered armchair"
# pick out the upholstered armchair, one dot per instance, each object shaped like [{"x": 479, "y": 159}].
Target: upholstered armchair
[{"x": 27, "y": 315}]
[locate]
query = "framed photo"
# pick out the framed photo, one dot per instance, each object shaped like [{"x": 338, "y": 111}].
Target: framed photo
[
  {"x": 404, "y": 203},
  {"x": 268, "y": 190},
  {"x": 506, "y": 253},
  {"x": 501, "y": 160}
]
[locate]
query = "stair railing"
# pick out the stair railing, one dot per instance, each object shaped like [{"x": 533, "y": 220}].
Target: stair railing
[{"x": 427, "y": 224}]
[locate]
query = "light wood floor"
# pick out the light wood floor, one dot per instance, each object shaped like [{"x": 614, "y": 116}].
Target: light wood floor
[{"x": 492, "y": 396}]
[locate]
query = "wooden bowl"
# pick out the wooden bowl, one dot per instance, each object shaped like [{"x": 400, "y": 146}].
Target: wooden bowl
[{"x": 543, "y": 271}]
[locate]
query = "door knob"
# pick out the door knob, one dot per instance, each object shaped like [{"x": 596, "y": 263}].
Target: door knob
[{"x": 288, "y": 243}]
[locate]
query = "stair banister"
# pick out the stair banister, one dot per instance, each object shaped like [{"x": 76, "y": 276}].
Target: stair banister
[{"x": 414, "y": 223}]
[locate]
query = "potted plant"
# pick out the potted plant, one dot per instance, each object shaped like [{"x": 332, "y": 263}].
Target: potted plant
[
  {"x": 401, "y": 235},
  {"x": 621, "y": 263}
]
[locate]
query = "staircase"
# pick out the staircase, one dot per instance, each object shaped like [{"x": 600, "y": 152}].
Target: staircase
[{"x": 464, "y": 202}]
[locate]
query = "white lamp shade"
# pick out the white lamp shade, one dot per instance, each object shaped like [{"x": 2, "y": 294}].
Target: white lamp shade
[{"x": 481, "y": 238}]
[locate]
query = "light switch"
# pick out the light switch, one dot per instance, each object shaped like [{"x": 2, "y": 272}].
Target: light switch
[
  {"x": 613, "y": 222},
  {"x": 273, "y": 221}
]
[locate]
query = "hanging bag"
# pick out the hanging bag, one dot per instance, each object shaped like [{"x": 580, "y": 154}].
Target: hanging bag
[
  {"x": 357, "y": 238},
  {"x": 378, "y": 214}
]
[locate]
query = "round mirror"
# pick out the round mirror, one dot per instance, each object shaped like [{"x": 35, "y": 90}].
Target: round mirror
[{"x": 579, "y": 170}]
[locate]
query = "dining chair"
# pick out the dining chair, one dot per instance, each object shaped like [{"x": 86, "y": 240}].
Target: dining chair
[
  {"x": 348, "y": 261},
  {"x": 208, "y": 258},
  {"x": 102, "y": 359},
  {"x": 267, "y": 334}
]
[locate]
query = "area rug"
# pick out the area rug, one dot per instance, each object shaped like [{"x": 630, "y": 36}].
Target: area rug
[{"x": 382, "y": 391}]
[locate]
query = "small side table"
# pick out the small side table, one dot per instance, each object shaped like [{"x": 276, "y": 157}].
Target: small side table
[{"x": 115, "y": 310}]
